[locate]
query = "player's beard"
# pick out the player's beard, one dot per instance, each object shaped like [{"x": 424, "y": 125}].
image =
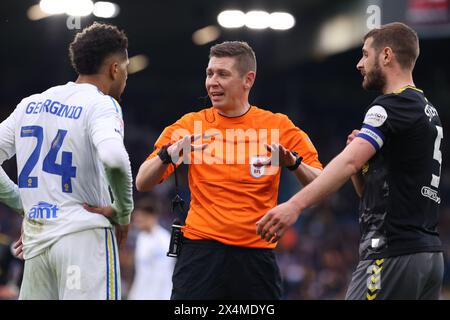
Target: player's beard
[{"x": 375, "y": 79}]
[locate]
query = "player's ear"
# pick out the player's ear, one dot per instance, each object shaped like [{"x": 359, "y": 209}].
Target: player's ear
[
  {"x": 387, "y": 55},
  {"x": 249, "y": 79},
  {"x": 114, "y": 70}
]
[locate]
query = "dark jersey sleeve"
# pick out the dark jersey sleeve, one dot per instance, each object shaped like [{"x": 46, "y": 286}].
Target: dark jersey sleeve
[{"x": 387, "y": 115}]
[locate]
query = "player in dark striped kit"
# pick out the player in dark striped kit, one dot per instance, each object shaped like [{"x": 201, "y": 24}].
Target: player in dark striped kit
[{"x": 394, "y": 162}]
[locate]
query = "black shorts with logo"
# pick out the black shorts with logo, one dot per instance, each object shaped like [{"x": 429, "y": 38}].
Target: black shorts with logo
[
  {"x": 415, "y": 276},
  {"x": 213, "y": 271}
]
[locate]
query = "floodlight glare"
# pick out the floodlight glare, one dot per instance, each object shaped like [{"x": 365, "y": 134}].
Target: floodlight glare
[
  {"x": 231, "y": 19},
  {"x": 53, "y": 6},
  {"x": 35, "y": 13},
  {"x": 103, "y": 9},
  {"x": 257, "y": 19},
  {"x": 79, "y": 8},
  {"x": 281, "y": 21},
  {"x": 205, "y": 35},
  {"x": 138, "y": 63}
]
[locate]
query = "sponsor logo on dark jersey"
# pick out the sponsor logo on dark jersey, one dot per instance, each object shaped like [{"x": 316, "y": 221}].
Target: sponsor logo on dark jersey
[{"x": 430, "y": 193}]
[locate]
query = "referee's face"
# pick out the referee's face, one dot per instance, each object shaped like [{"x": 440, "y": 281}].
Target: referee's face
[{"x": 224, "y": 84}]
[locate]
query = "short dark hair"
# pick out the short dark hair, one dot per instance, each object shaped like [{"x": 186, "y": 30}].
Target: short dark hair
[
  {"x": 94, "y": 44},
  {"x": 403, "y": 41},
  {"x": 244, "y": 54}
]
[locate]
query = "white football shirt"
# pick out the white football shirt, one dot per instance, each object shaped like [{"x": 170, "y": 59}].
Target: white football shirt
[
  {"x": 54, "y": 135},
  {"x": 153, "y": 268}
]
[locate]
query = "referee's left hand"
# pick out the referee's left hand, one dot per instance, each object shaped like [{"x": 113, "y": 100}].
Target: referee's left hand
[
  {"x": 285, "y": 157},
  {"x": 275, "y": 222}
]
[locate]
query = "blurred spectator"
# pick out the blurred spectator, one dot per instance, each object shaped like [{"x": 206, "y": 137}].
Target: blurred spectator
[
  {"x": 153, "y": 269},
  {"x": 8, "y": 290}
]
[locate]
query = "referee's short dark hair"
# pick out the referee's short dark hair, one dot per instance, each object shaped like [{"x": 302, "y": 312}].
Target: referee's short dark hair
[
  {"x": 403, "y": 41},
  {"x": 241, "y": 51},
  {"x": 94, "y": 44}
]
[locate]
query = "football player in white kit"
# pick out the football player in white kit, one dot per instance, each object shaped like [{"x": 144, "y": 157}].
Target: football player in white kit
[
  {"x": 69, "y": 146},
  {"x": 153, "y": 269}
]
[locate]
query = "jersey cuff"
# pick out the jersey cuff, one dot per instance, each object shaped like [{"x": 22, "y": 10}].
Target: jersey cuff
[{"x": 123, "y": 219}]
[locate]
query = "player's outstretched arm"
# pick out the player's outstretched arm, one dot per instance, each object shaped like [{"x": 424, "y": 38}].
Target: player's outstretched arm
[
  {"x": 275, "y": 223},
  {"x": 306, "y": 174}
]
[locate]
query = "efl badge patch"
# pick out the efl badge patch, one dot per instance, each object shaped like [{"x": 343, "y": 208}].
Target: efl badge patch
[{"x": 257, "y": 171}]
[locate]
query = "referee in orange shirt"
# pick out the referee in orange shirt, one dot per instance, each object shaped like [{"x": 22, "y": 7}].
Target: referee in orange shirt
[{"x": 234, "y": 172}]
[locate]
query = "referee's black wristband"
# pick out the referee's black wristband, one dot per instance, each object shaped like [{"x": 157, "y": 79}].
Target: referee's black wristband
[
  {"x": 164, "y": 155},
  {"x": 298, "y": 161}
]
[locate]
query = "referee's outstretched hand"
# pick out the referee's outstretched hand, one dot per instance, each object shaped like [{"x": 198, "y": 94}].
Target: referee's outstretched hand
[
  {"x": 285, "y": 157},
  {"x": 274, "y": 224},
  {"x": 186, "y": 144}
]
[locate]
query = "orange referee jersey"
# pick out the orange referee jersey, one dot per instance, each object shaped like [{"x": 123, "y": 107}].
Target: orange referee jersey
[{"x": 228, "y": 194}]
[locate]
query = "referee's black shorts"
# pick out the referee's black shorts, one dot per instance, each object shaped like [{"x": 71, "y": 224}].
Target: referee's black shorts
[{"x": 214, "y": 271}]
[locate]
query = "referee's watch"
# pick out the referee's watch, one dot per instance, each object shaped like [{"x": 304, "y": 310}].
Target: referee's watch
[{"x": 298, "y": 161}]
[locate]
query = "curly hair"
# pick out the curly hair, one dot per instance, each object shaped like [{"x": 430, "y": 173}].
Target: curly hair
[
  {"x": 241, "y": 51},
  {"x": 94, "y": 44}
]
